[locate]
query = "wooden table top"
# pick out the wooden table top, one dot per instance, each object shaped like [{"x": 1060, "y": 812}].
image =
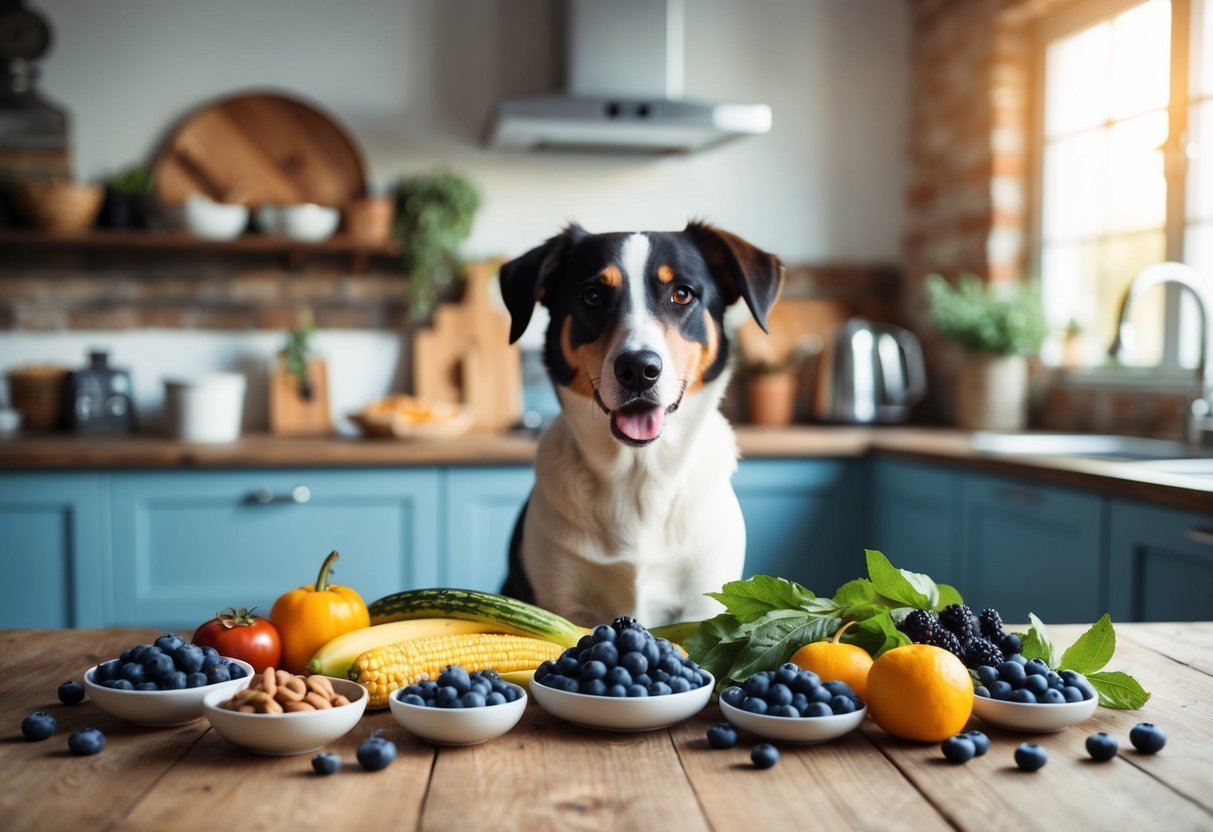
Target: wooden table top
[{"x": 546, "y": 774}]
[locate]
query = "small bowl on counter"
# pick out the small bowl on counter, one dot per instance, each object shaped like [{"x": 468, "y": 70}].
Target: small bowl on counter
[
  {"x": 457, "y": 726},
  {"x": 608, "y": 713},
  {"x": 800, "y": 730},
  {"x": 287, "y": 734},
  {"x": 161, "y": 708},
  {"x": 1038, "y": 718}
]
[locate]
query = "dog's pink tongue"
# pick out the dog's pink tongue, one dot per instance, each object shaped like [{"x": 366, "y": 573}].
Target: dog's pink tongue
[{"x": 642, "y": 425}]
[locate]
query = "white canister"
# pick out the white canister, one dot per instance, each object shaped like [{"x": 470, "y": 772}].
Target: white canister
[{"x": 206, "y": 408}]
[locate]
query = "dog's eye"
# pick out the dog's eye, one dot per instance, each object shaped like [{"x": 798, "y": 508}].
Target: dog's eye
[
  {"x": 683, "y": 295},
  {"x": 592, "y": 297}
]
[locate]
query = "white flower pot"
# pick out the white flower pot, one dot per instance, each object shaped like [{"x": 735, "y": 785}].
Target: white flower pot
[{"x": 992, "y": 393}]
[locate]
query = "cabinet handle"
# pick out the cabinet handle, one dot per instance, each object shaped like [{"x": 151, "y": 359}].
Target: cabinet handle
[
  {"x": 1198, "y": 535},
  {"x": 1019, "y": 495},
  {"x": 299, "y": 495}
]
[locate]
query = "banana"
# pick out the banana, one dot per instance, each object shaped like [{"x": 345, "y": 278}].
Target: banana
[{"x": 335, "y": 658}]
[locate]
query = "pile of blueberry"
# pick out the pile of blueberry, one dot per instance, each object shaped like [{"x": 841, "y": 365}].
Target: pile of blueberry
[
  {"x": 456, "y": 688},
  {"x": 622, "y": 659},
  {"x": 172, "y": 663},
  {"x": 975, "y": 639},
  {"x": 792, "y": 692},
  {"x": 1031, "y": 683}
]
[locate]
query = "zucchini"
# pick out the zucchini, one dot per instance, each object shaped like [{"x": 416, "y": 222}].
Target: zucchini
[{"x": 504, "y": 614}]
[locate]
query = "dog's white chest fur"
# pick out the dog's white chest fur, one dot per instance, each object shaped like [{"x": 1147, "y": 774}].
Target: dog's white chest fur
[{"x": 614, "y": 530}]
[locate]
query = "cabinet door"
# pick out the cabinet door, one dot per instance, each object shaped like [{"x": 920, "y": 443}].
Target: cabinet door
[
  {"x": 52, "y": 550},
  {"x": 481, "y": 507},
  {"x": 1160, "y": 563},
  {"x": 1032, "y": 548},
  {"x": 802, "y": 520},
  {"x": 915, "y": 517},
  {"x": 189, "y": 543}
]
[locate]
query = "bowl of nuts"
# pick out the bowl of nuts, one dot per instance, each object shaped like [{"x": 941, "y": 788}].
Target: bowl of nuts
[{"x": 280, "y": 714}]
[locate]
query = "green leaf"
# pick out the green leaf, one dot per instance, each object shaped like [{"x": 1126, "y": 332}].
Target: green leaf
[
  {"x": 893, "y": 583},
  {"x": 749, "y": 600},
  {"x": 877, "y": 634},
  {"x": 1036, "y": 644},
  {"x": 858, "y": 591},
  {"x": 1118, "y": 690},
  {"x": 720, "y": 659},
  {"x": 925, "y": 586},
  {"x": 1092, "y": 650},
  {"x": 948, "y": 595},
  {"x": 776, "y": 640}
]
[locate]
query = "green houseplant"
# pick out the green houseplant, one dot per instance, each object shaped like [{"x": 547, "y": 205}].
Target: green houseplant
[
  {"x": 434, "y": 215},
  {"x": 997, "y": 327},
  {"x": 126, "y": 197}
]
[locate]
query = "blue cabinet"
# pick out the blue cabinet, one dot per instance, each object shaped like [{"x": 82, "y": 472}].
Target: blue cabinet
[
  {"x": 187, "y": 544},
  {"x": 803, "y": 519},
  {"x": 480, "y": 507},
  {"x": 1160, "y": 563},
  {"x": 53, "y": 550},
  {"x": 915, "y": 517}
]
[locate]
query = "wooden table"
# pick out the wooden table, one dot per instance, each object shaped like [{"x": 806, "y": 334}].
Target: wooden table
[{"x": 549, "y": 775}]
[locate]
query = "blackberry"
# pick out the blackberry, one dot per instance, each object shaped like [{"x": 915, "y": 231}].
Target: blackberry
[
  {"x": 919, "y": 625},
  {"x": 991, "y": 625},
  {"x": 943, "y": 638},
  {"x": 980, "y": 651},
  {"x": 958, "y": 619},
  {"x": 624, "y": 622}
]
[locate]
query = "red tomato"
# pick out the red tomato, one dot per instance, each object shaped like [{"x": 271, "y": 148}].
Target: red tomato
[{"x": 238, "y": 634}]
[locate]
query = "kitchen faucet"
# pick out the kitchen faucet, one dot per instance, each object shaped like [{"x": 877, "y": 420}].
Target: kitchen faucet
[{"x": 1198, "y": 419}]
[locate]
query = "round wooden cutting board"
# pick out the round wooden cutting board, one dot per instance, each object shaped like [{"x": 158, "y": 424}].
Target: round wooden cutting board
[{"x": 256, "y": 149}]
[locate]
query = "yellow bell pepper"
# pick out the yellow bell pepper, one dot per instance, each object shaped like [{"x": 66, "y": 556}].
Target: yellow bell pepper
[{"x": 310, "y": 617}]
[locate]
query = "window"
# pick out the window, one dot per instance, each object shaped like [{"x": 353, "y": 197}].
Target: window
[{"x": 1126, "y": 111}]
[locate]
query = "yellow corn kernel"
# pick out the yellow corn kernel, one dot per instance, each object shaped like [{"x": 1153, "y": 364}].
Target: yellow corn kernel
[{"x": 394, "y": 666}]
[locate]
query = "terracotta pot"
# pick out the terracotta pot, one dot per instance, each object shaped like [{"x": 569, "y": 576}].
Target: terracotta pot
[
  {"x": 370, "y": 220},
  {"x": 771, "y": 399},
  {"x": 992, "y": 393}
]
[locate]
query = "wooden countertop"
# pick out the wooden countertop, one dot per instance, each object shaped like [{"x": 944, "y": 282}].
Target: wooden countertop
[
  {"x": 941, "y": 446},
  {"x": 546, "y": 774}
]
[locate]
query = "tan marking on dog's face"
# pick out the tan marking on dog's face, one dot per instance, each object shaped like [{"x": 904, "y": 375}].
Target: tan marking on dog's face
[
  {"x": 691, "y": 358},
  {"x": 612, "y": 276},
  {"x": 665, "y": 274},
  {"x": 585, "y": 361}
]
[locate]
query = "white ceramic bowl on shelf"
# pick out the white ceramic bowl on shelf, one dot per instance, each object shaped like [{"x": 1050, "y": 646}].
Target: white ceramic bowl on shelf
[
  {"x": 210, "y": 220},
  {"x": 457, "y": 726},
  {"x": 284, "y": 735},
  {"x": 1038, "y": 718},
  {"x": 158, "y": 708},
  {"x": 623, "y": 714},
  {"x": 804, "y": 730},
  {"x": 308, "y": 223}
]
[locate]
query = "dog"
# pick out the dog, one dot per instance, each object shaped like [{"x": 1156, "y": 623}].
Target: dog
[{"x": 633, "y": 512}]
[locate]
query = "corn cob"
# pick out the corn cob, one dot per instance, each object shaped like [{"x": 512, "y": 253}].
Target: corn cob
[{"x": 393, "y": 666}]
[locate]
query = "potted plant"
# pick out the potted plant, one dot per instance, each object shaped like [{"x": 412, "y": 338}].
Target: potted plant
[
  {"x": 434, "y": 215},
  {"x": 770, "y": 393},
  {"x": 298, "y": 400},
  {"x": 125, "y": 204},
  {"x": 997, "y": 327}
]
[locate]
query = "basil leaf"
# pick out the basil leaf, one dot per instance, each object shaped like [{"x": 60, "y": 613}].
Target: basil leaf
[
  {"x": 1093, "y": 649},
  {"x": 1118, "y": 690},
  {"x": 775, "y": 641},
  {"x": 948, "y": 595},
  {"x": 924, "y": 585},
  {"x": 709, "y": 634},
  {"x": 892, "y": 583},
  {"x": 748, "y": 600},
  {"x": 720, "y": 659},
  {"x": 878, "y": 634},
  {"x": 1036, "y": 644},
  {"x": 858, "y": 591}
]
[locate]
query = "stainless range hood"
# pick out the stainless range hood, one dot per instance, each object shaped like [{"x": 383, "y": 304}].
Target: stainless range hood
[{"x": 625, "y": 83}]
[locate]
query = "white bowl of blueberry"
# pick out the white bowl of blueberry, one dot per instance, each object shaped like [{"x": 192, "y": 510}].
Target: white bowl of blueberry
[
  {"x": 622, "y": 678},
  {"x": 459, "y": 708},
  {"x": 793, "y": 705},
  {"x": 1025, "y": 695},
  {"x": 163, "y": 683}
]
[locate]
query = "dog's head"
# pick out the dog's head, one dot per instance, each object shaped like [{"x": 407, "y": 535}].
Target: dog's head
[{"x": 637, "y": 318}]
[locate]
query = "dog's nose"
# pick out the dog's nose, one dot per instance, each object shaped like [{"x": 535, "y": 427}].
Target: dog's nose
[{"x": 638, "y": 370}]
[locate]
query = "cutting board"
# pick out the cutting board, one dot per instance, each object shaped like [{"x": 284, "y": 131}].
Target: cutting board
[
  {"x": 256, "y": 149},
  {"x": 465, "y": 356},
  {"x": 292, "y": 415}
]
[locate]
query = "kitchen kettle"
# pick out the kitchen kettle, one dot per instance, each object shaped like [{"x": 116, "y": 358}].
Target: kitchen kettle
[{"x": 877, "y": 373}]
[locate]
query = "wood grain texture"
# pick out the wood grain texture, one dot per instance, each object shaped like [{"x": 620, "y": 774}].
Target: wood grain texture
[{"x": 1181, "y": 642}]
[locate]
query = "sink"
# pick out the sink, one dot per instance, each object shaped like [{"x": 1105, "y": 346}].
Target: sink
[{"x": 1094, "y": 446}]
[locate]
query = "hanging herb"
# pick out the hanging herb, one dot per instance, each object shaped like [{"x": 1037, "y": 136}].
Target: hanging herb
[{"x": 434, "y": 215}]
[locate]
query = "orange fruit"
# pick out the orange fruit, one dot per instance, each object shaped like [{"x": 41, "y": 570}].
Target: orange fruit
[
  {"x": 848, "y": 663},
  {"x": 920, "y": 692}
]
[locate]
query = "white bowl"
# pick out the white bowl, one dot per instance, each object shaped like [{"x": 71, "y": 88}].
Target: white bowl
[
  {"x": 806, "y": 729},
  {"x": 212, "y": 220},
  {"x": 309, "y": 223},
  {"x": 161, "y": 707},
  {"x": 457, "y": 726},
  {"x": 1036, "y": 718},
  {"x": 206, "y": 408},
  {"x": 283, "y": 735},
  {"x": 610, "y": 713}
]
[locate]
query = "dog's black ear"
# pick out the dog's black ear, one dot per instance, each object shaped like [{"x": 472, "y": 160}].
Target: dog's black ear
[
  {"x": 749, "y": 272},
  {"x": 523, "y": 279}
]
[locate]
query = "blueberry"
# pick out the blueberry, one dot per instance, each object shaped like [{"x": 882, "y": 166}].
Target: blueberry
[
  {"x": 71, "y": 693},
  {"x": 592, "y": 670},
  {"x": 38, "y": 726},
  {"x": 987, "y": 675},
  {"x": 1012, "y": 672},
  {"x": 843, "y": 705},
  {"x": 764, "y": 755},
  {"x": 722, "y": 735},
  {"x": 838, "y": 688},
  {"x": 543, "y": 670},
  {"x": 1023, "y": 696},
  {"x": 981, "y": 743},
  {"x": 120, "y": 684},
  {"x": 567, "y": 666},
  {"x": 1147, "y": 737},
  {"x": 1052, "y": 696},
  {"x": 377, "y": 753},
  {"x": 616, "y": 691},
  {"x": 1017, "y": 658},
  {"x": 1030, "y": 757},
  {"x": 1000, "y": 690},
  {"x": 660, "y": 676},
  {"x": 818, "y": 709},
  {"x": 664, "y": 646},
  {"x": 1011, "y": 644},
  {"x": 147, "y": 686},
  {"x": 595, "y": 687},
  {"x": 820, "y": 694},
  {"x": 169, "y": 642},
  {"x": 564, "y": 683},
  {"x": 754, "y": 705},
  {"x": 137, "y": 653},
  {"x": 1085, "y": 687},
  {"x": 958, "y": 749},
  {"x": 779, "y": 694},
  {"x": 605, "y": 652},
  {"x": 86, "y": 741},
  {"x": 217, "y": 673},
  {"x": 446, "y": 696},
  {"x": 806, "y": 682},
  {"x": 327, "y": 762},
  {"x": 637, "y": 692},
  {"x": 1036, "y": 667},
  {"x": 495, "y": 698},
  {"x": 732, "y": 695},
  {"x": 1038, "y": 684},
  {"x": 603, "y": 632},
  {"x": 210, "y": 658},
  {"x": 634, "y": 662},
  {"x": 630, "y": 641},
  {"x": 473, "y": 699},
  {"x": 784, "y": 711},
  {"x": 618, "y": 676},
  {"x": 134, "y": 672},
  {"x": 757, "y": 686},
  {"x": 982, "y": 691},
  {"x": 174, "y": 681},
  {"x": 236, "y": 671},
  {"x": 585, "y": 642},
  {"x": 671, "y": 664},
  {"x": 195, "y": 680},
  {"x": 1054, "y": 679},
  {"x": 158, "y": 666},
  {"x": 651, "y": 651},
  {"x": 456, "y": 677},
  {"x": 644, "y": 680},
  {"x": 107, "y": 670},
  {"x": 412, "y": 699},
  {"x": 679, "y": 685},
  {"x": 1102, "y": 746},
  {"x": 188, "y": 658},
  {"x": 659, "y": 689},
  {"x": 1071, "y": 694},
  {"x": 786, "y": 674},
  {"x": 481, "y": 686}
]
